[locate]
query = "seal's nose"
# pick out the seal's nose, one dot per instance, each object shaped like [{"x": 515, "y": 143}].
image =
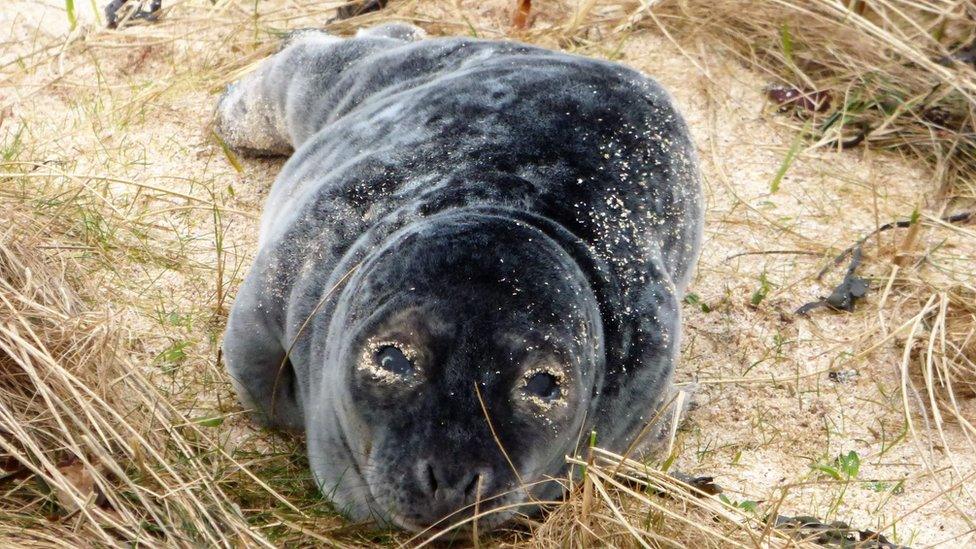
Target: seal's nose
[{"x": 452, "y": 485}]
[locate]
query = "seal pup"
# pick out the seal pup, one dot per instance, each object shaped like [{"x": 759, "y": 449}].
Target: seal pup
[{"x": 473, "y": 258}]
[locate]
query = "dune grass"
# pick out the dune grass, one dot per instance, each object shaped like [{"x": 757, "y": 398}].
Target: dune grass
[{"x": 117, "y": 426}]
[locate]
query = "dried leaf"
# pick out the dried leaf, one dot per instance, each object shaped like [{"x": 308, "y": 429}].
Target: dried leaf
[{"x": 80, "y": 478}]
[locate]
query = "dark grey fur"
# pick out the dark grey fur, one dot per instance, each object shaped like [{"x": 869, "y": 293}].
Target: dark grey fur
[{"x": 496, "y": 207}]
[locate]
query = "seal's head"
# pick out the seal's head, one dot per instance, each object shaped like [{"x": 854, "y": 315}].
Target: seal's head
[{"x": 470, "y": 344}]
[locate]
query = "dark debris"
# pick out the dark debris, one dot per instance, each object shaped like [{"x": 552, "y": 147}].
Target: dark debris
[
  {"x": 701, "y": 485},
  {"x": 863, "y": 131},
  {"x": 355, "y": 9},
  {"x": 787, "y": 97},
  {"x": 835, "y": 534},
  {"x": 113, "y": 15},
  {"x": 706, "y": 485},
  {"x": 843, "y": 376},
  {"x": 854, "y": 287},
  {"x": 846, "y": 293},
  {"x": 965, "y": 55}
]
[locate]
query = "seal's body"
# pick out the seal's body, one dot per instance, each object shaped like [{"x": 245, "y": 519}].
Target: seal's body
[{"x": 473, "y": 258}]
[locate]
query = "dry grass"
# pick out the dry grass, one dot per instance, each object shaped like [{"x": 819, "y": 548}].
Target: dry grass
[
  {"x": 898, "y": 70},
  {"x": 895, "y": 76},
  {"x": 92, "y": 451},
  {"x": 117, "y": 425}
]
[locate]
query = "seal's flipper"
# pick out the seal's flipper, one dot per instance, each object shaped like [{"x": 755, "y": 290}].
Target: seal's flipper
[
  {"x": 288, "y": 98},
  {"x": 668, "y": 419},
  {"x": 259, "y": 369}
]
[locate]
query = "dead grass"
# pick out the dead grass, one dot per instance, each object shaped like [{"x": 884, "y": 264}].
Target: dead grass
[
  {"x": 899, "y": 72},
  {"x": 895, "y": 76},
  {"x": 126, "y": 230},
  {"x": 92, "y": 452}
]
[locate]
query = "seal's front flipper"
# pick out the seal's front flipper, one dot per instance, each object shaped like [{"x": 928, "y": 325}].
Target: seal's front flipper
[
  {"x": 315, "y": 78},
  {"x": 263, "y": 377},
  {"x": 659, "y": 434}
]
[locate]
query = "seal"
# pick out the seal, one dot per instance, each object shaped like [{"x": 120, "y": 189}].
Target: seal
[{"x": 473, "y": 258}]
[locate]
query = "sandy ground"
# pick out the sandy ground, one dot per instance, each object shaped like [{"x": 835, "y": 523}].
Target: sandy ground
[{"x": 125, "y": 116}]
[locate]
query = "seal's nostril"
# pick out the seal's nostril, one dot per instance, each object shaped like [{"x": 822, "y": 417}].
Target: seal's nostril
[
  {"x": 474, "y": 486},
  {"x": 431, "y": 480},
  {"x": 446, "y": 485}
]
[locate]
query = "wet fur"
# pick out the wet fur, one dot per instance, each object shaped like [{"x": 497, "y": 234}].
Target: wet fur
[{"x": 478, "y": 193}]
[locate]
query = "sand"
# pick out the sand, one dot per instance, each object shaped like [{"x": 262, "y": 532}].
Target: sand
[{"x": 125, "y": 116}]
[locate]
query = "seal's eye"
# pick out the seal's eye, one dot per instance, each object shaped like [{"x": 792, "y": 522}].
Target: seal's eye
[
  {"x": 543, "y": 385},
  {"x": 393, "y": 360}
]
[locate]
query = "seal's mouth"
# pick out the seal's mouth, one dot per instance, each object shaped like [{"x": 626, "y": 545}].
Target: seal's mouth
[{"x": 419, "y": 516}]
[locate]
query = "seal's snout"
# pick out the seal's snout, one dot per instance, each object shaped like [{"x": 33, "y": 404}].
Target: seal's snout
[{"x": 450, "y": 486}]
